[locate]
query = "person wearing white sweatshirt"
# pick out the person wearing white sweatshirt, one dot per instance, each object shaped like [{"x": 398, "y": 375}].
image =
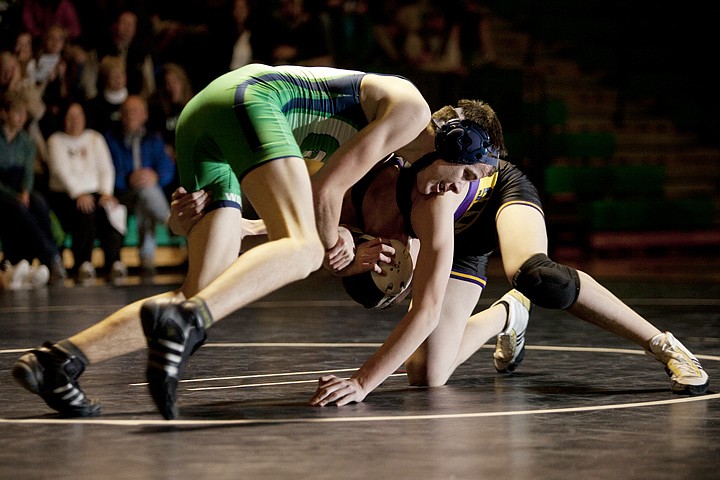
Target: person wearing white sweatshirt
[{"x": 81, "y": 183}]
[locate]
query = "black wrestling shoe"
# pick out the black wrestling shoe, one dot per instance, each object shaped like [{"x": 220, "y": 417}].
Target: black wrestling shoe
[
  {"x": 52, "y": 372},
  {"x": 173, "y": 331}
]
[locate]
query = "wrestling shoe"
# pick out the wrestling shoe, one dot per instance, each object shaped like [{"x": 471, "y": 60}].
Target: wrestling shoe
[
  {"x": 173, "y": 331},
  {"x": 510, "y": 345},
  {"x": 52, "y": 372},
  {"x": 686, "y": 374}
]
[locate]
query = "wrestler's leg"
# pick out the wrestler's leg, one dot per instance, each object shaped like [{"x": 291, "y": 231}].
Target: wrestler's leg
[
  {"x": 457, "y": 336},
  {"x": 281, "y": 194},
  {"x": 117, "y": 334},
  {"x": 522, "y": 234},
  {"x": 213, "y": 245},
  {"x": 52, "y": 371}
]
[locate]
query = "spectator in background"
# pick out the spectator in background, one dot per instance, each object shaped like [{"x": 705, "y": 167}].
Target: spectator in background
[
  {"x": 387, "y": 35},
  {"x": 13, "y": 81},
  {"x": 351, "y": 28},
  {"x": 59, "y": 70},
  {"x": 81, "y": 186},
  {"x": 173, "y": 93},
  {"x": 142, "y": 169},
  {"x": 196, "y": 34},
  {"x": 131, "y": 46},
  {"x": 25, "y": 229},
  {"x": 11, "y": 77},
  {"x": 103, "y": 111},
  {"x": 299, "y": 36},
  {"x": 477, "y": 42},
  {"x": 39, "y": 15},
  {"x": 96, "y": 20},
  {"x": 242, "y": 53},
  {"x": 97, "y": 17},
  {"x": 25, "y": 53},
  {"x": 432, "y": 38}
]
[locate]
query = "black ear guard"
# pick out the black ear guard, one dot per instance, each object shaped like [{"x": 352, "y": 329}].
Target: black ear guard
[{"x": 463, "y": 141}]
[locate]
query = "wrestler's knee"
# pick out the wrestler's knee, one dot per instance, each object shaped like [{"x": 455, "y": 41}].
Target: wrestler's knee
[
  {"x": 315, "y": 253},
  {"x": 421, "y": 374},
  {"x": 416, "y": 373},
  {"x": 309, "y": 252},
  {"x": 546, "y": 283}
]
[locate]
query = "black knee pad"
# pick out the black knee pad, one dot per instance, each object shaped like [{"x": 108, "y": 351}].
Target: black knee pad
[{"x": 546, "y": 283}]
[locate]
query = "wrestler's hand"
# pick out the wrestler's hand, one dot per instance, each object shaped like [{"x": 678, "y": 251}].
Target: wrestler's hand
[
  {"x": 186, "y": 209},
  {"x": 339, "y": 391},
  {"x": 342, "y": 254},
  {"x": 368, "y": 257}
]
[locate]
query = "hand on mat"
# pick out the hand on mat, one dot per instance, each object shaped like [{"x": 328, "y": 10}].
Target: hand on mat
[{"x": 340, "y": 391}]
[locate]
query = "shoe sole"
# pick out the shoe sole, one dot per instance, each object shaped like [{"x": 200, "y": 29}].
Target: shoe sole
[
  {"x": 163, "y": 391},
  {"x": 503, "y": 343},
  {"x": 512, "y": 366},
  {"x": 683, "y": 389}
]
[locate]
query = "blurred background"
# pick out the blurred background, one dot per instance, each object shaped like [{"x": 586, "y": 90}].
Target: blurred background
[{"x": 611, "y": 107}]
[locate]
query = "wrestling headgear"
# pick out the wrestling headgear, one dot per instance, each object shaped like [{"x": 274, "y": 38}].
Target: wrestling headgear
[
  {"x": 463, "y": 141},
  {"x": 374, "y": 290},
  {"x": 460, "y": 140}
]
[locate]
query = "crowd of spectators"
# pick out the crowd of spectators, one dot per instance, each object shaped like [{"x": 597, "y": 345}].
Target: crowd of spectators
[{"x": 96, "y": 81}]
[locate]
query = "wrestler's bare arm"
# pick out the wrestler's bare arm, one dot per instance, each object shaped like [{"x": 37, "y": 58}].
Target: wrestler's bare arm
[
  {"x": 397, "y": 114},
  {"x": 433, "y": 222}
]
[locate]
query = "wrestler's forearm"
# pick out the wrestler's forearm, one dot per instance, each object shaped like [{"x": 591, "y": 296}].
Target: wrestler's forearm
[
  {"x": 397, "y": 348},
  {"x": 327, "y": 218}
]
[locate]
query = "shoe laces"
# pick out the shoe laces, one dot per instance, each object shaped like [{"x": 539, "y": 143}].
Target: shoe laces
[{"x": 680, "y": 361}]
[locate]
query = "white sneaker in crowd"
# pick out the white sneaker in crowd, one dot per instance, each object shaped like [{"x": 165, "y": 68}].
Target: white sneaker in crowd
[
  {"x": 86, "y": 272},
  {"x": 119, "y": 270},
  {"x": 13, "y": 277},
  {"x": 38, "y": 276}
]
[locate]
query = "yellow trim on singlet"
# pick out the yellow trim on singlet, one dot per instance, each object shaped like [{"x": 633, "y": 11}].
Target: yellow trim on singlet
[
  {"x": 519, "y": 202},
  {"x": 468, "y": 278},
  {"x": 485, "y": 187}
]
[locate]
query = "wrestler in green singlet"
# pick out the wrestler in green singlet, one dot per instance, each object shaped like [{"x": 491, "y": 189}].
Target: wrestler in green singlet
[{"x": 267, "y": 113}]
